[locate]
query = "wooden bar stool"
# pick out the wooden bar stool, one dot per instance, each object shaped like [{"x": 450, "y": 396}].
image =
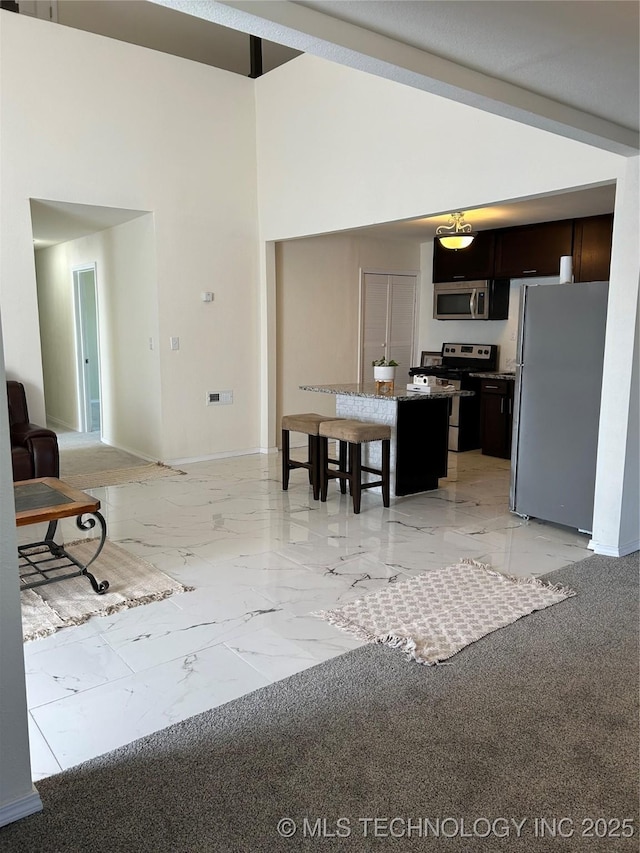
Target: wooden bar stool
[
  {"x": 307, "y": 423},
  {"x": 355, "y": 434}
]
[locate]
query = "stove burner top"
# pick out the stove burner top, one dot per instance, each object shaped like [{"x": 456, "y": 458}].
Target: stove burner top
[
  {"x": 459, "y": 360},
  {"x": 441, "y": 371}
]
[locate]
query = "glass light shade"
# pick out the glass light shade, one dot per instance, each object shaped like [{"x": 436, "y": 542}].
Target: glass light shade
[{"x": 456, "y": 241}]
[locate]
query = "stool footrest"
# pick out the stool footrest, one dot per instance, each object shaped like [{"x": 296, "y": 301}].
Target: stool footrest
[
  {"x": 371, "y": 484},
  {"x": 370, "y": 470},
  {"x": 309, "y": 423},
  {"x": 352, "y": 435}
]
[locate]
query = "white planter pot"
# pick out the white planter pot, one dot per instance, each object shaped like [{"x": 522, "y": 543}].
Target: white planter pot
[{"x": 384, "y": 374}]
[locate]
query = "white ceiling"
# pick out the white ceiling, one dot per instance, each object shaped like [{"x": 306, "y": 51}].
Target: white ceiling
[
  {"x": 589, "y": 202},
  {"x": 581, "y": 54},
  {"x": 58, "y": 221},
  {"x": 570, "y": 66}
]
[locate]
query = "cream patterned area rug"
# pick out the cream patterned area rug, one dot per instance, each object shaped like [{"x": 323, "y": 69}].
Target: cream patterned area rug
[
  {"x": 132, "y": 582},
  {"x": 438, "y": 613},
  {"x": 119, "y": 476}
]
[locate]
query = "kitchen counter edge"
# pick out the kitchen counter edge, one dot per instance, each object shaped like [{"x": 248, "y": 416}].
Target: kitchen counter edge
[
  {"x": 506, "y": 376},
  {"x": 367, "y": 389}
]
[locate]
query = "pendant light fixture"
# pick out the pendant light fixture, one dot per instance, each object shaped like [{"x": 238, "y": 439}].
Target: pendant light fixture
[{"x": 457, "y": 234}]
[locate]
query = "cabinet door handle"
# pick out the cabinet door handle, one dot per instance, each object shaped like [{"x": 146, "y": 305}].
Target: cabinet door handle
[
  {"x": 525, "y": 271},
  {"x": 502, "y": 405},
  {"x": 493, "y": 387},
  {"x": 510, "y": 406},
  {"x": 458, "y": 276}
]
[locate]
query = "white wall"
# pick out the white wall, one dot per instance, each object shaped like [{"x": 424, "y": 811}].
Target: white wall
[
  {"x": 92, "y": 121},
  {"x": 57, "y": 335},
  {"x": 17, "y": 795},
  {"x": 126, "y": 279},
  {"x": 140, "y": 130},
  {"x": 128, "y": 315},
  {"x": 616, "y": 517},
  {"x": 318, "y": 309},
  {"x": 339, "y": 148},
  {"x": 630, "y": 509}
]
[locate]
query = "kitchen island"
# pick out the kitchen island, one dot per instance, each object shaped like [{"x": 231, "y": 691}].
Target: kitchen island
[{"x": 419, "y": 430}]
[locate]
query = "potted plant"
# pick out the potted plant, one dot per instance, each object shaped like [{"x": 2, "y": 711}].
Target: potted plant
[{"x": 384, "y": 370}]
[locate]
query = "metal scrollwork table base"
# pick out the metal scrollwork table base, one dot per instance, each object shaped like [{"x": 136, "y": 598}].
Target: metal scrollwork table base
[{"x": 48, "y": 500}]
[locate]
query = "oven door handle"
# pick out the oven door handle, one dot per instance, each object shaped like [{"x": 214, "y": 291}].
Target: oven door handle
[{"x": 472, "y": 303}]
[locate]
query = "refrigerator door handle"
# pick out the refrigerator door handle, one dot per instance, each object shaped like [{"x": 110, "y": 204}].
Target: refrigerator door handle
[{"x": 515, "y": 426}]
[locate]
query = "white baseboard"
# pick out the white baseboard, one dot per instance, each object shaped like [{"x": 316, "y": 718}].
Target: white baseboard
[
  {"x": 23, "y": 807},
  {"x": 55, "y": 422},
  {"x": 614, "y": 550},
  {"x": 130, "y": 450},
  {"x": 186, "y": 460}
]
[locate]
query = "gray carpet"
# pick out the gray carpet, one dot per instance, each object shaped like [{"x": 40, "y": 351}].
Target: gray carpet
[{"x": 537, "y": 720}]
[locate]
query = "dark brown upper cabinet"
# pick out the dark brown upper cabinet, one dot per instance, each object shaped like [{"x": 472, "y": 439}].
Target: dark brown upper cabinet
[
  {"x": 470, "y": 264},
  {"x": 532, "y": 250},
  {"x": 592, "y": 248}
]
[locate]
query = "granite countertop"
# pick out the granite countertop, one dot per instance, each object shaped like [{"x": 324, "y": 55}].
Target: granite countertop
[
  {"x": 494, "y": 375},
  {"x": 368, "y": 389}
]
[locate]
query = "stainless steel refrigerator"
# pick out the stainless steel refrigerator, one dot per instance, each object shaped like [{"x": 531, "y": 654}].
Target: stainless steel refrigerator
[{"x": 557, "y": 401}]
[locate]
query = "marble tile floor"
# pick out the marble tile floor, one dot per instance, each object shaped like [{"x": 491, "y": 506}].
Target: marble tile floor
[{"x": 261, "y": 561}]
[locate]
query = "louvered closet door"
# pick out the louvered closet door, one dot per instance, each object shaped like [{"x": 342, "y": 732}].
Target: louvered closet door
[
  {"x": 388, "y": 320},
  {"x": 402, "y": 308},
  {"x": 375, "y": 309}
]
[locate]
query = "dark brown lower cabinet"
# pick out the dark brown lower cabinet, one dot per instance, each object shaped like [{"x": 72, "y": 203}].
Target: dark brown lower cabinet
[{"x": 496, "y": 417}]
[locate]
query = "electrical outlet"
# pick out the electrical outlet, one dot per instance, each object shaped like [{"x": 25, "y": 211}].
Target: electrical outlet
[{"x": 174, "y": 343}]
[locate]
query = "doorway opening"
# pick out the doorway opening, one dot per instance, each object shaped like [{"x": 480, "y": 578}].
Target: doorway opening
[
  {"x": 81, "y": 250},
  {"x": 87, "y": 347}
]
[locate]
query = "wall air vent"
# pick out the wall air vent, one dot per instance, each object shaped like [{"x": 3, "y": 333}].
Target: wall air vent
[{"x": 219, "y": 398}]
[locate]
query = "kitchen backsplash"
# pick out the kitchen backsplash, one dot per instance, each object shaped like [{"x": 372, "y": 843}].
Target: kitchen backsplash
[{"x": 433, "y": 333}]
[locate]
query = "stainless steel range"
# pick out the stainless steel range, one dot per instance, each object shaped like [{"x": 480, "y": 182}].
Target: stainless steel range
[{"x": 458, "y": 362}]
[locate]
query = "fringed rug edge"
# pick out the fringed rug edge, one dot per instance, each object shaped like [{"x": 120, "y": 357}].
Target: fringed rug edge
[{"x": 408, "y": 645}]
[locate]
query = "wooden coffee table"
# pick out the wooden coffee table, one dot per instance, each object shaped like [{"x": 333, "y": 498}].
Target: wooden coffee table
[{"x": 49, "y": 499}]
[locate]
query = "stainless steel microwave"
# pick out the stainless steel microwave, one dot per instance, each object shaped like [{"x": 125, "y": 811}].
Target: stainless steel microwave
[{"x": 471, "y": 300}]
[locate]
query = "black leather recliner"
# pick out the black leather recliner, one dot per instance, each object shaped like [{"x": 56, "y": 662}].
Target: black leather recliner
[{"x": 34, "y": 449}]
